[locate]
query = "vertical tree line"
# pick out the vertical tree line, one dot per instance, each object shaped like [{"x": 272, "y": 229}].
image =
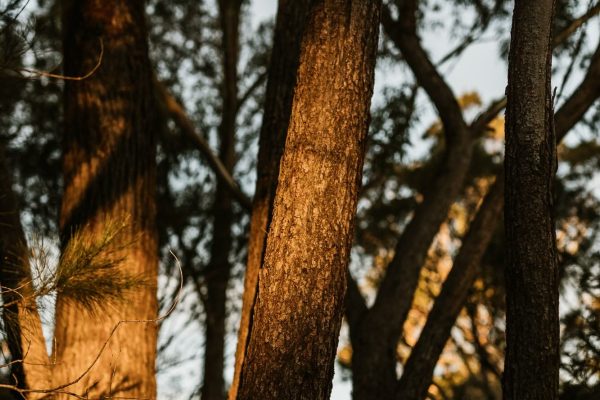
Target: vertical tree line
[
  {"x": 532, "y": 321},
  {"x": 219, "y": 268},
  {"x": 290, "y": 23}
]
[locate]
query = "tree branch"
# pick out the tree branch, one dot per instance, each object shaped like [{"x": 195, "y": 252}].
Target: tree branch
[
  {"x": 578, "y": 104},
  {"x": 375, "y": 353},
  {"x": 250, "y": 90},
  {"x": 404, "y": 35},
  {"x": 581, "y": 100},
  {"x": 576, "y": 24},
  {"x": 422, "y": 360},
  {"x": 179, "y": 116},
  {"x": 355, "y": 304}
]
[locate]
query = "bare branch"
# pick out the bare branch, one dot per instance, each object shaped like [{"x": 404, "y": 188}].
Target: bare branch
[
  {"x": 251, "y": 89},
  {"x": 178, "y": 114},
  {"x": 404, "y": 35},
  {"x": 576, "y": 24},
  {"x": 578, "y": 104},
  {"x": 581, "y": 99},
  {"x": 37, "y": 73},
  {"x": 356, "y": 307}
]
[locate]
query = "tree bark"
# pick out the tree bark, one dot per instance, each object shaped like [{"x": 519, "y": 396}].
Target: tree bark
[
  {"x": 532, "y": 320},
  {"x": 297, "y": 315},
  {"x": 219, "y": 268},
  {"x": 109, "y": 149},
  {"x": 292, "y": 17},
  {"x": 22, "y": 323}
]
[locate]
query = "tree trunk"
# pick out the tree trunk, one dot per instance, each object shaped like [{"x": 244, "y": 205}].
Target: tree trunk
[
  {"x": 219, "y": 268},
  {"x": 299, "y": 303},
  {"x": 532, "y": 320},
  {"x": 109, "y": 176},
  {"x": 291, "y": 20},
  {"x": 374, "y": 354},
  {"x": 22, "y": 323}
]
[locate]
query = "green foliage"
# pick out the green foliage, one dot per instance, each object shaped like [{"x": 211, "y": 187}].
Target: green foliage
[{"x": 88, "y": 270}]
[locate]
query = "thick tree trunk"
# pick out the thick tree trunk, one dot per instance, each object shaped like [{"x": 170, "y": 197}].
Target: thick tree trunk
[
  {"x": 292, "y": 16},
  {"x": 532, "y": 320},
  {"x": 109, "y": 176},
  {"x": 22, "y": 324},
  {"x": 219, "y": 268},
  {"x": 297, "y": 315}
]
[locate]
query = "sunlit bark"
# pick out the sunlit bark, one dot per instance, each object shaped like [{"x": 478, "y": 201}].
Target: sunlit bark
[
  {"x": 292, "y": 17},
  {"x": 109, "y": 171},
  {"x": 297, "y": 313}
]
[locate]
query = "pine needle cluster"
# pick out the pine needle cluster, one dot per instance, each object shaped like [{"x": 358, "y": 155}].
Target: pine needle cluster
[{"x": 88, "y": 271}]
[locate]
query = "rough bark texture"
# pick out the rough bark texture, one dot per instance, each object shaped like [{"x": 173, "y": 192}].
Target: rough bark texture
[
  {"x": 532, "y": 320},
  {"x": 219, "y": 268},
  {"x": 292, "y": 17},
  {"x": 418, "y": 370},
  {"x": 22, "y": 323},
  {"x": 301, "y": 286},
  {"x": 109, "y": 175}
]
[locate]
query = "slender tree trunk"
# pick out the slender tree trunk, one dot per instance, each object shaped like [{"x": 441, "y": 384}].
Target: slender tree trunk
[
  {"x": 299, "y": 303},
  {"x": 22, "y": 324},
  {"x": 109, "y": 175},
  {"x": 219, "y": 268},
  {"x": 532, "y": 320},
  {"x": 292, "y": 16}
]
